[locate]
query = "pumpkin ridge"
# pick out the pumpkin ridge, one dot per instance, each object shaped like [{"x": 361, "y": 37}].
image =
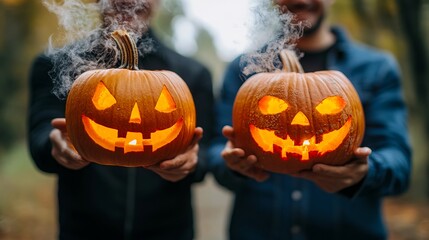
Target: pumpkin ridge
[{"x": 309, "y": 96}]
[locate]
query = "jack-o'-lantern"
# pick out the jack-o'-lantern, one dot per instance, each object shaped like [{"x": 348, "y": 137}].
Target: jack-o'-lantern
[
  {"x": 129, "y": 117},
  {"x": 291, "y": 120}
]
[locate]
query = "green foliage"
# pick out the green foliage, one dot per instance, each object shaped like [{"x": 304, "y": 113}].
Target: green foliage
[{"x": 375, "y": 23}]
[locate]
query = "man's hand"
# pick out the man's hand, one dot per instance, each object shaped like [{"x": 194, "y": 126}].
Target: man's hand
[
  {"x": 235, "y": 158},
  {"x": 62, "y": 149},
  {"x": 179, "y": 167},
  {"x": 335, "y": 178}
]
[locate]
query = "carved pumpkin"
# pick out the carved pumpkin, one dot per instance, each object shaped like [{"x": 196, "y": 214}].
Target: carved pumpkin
[
  {"x": 291, "y": 120},
  {"x": 129, "y": 117}
]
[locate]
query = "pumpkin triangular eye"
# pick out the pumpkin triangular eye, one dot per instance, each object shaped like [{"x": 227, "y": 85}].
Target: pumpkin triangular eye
[
  {"x": 272, "y": 105},
  {"x": 165, "y": 102},
  {"x": 331, "y": 105},
  {"x": 102, "y": 98}
]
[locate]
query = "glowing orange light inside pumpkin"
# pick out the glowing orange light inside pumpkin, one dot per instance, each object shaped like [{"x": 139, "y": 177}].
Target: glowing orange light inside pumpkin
[
  {"x": 134, "y": 141},
  {"x": 305, "y": 144},
  {"x": 267, "y": 139},
  {"x": 102, "y": 98},
  {"x": 165, "y": 102},
  {"x": 135, "y": 115},
  {"x": 161, "y": 137},
  {"x": 108, "y": 138},
  {"x": 331, "y": 105},
  {"x": 272, "y": 105},
  {"x": 300, "y": 119}
]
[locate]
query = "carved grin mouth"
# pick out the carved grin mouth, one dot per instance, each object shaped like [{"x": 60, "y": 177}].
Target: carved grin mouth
[
  {"x": 133, "y": 142},
  {"x": 267, "y": 139}
]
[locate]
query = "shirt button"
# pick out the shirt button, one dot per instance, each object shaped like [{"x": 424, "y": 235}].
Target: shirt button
[
  {"x": 295, "y": 229},
  {"x": 296, "y": 195}
]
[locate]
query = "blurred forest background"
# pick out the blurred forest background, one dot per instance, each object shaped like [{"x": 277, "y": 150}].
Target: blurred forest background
[{"x": 27, "y": 196}]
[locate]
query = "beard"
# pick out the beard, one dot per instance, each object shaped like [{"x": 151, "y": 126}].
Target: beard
[
  {"x": 132, "y": 15},
  {"x": 310, "y": 30}
]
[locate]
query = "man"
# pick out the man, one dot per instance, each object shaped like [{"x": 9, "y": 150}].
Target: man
[
  {"x": 326, "y": 202},
  {"x": 107, "y": 202}
]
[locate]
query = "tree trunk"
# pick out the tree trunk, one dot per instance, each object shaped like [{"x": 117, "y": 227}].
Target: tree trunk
[{"x": 411, "y": 18}]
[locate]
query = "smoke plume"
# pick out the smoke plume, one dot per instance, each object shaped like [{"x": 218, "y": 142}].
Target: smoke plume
[
  {"x": 272, "y": 31},
  {"x": 85, "y": 41}
]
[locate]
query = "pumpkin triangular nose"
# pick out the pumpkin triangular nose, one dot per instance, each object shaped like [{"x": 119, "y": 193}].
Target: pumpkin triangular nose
[
  {"x": 135, "y": 115},
  {"x": 300, "y": 119}
]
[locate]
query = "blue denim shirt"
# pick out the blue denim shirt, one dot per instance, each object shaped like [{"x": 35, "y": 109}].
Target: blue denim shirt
[{"x": 284, "y": 207}]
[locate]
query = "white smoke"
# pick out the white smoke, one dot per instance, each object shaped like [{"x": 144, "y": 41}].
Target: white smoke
[
  {"x": 272, "y": 31},
  {"x": 86, "y": 42}
]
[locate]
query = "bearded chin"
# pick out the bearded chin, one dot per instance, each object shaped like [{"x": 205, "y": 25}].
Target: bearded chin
[
  {"x": 310, "y": 30},
  {"x": 130, "y": 23},
  {"x": 130, "y": 15}
]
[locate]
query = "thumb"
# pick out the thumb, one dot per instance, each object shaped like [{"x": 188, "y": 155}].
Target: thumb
[
  {"x": 59, "y": 123},
  {"x": 228, "y": 132},
  {"x": 198, "y": 134}
]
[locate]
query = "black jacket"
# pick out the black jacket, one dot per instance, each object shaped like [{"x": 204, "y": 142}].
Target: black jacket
[{"x": 105, "y": 202}]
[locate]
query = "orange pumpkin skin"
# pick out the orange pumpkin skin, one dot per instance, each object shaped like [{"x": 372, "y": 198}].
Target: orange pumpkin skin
[
  {"x": 293, "y": 120},
  {"x": 116, "y": 116}
]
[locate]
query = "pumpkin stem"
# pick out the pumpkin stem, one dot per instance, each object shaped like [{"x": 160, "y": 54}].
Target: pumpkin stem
[
  {"x": 290, "y": 61},
  {"x": 128, "y": 49}
]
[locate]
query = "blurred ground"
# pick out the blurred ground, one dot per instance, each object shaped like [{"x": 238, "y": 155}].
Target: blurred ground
[
  {"x": 212, "y": 209},
  {"x": 407, "y": 220},
  {"x": 27, "y": 207}
]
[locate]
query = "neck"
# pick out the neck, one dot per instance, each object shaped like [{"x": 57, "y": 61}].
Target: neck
[{"x": 318, "y": 40}]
